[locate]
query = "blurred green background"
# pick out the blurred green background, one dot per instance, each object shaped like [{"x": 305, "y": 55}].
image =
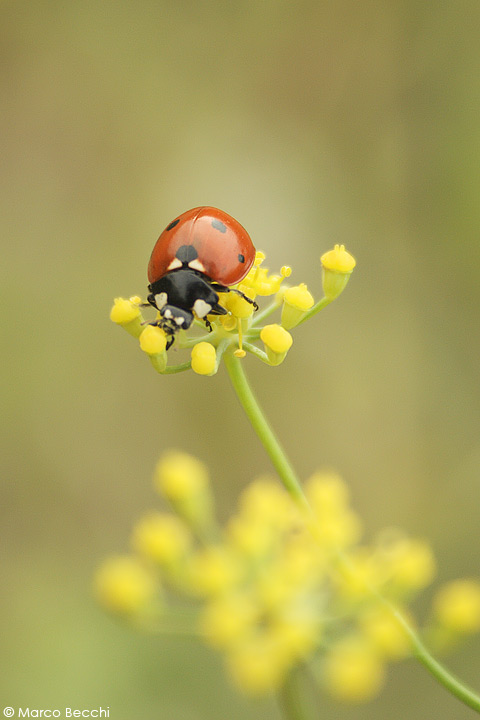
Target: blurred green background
[{"x": 312, "y": 123}]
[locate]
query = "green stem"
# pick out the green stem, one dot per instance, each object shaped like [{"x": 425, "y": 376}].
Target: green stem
[
  {"x": 222, "y": 346},
  {"x": 254, "y": 350},
  {"x": 423, "y": 655},
  {"x": 172, "y": 369},
  {"x": 316, "y": 308},
  {"x": 439, "y": 672},
  {"x": 191, "y": 341},
  {"x": 258, "y": 318},
  {"x": 262, "y": 428},
  {"x": 159, "y": 361},
  {"x": 292, "y": 699},
  {"x": 290, "y": 480}
]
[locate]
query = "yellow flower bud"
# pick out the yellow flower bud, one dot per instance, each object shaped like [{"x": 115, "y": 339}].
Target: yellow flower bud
[
  {"x": 338, "y": 260},
  {"x": 296, "y": 301},
  {"x": 123, "y": 311},
  {"x": 338, "y": 265},
  {"x": 127, "y": 314},
  {"x": 298, "y": 297},
  {"x": 386, "y": 633},
  {"x": 457, "y": 606},
  {"x": 183, "y": 480},
  {"x": 214, "y": 570},
  {"x": 123, "y": 585},
  {"x": 265, "y": 501},
  {"x": 204, "y": 358},
  {"x": 250, "y": 538},
  {"x": 296, "y": 636},
  {"x": 153, "y": 340},
  {"x": 179, "y": 476},
  {"x": 353, "y": 671},
  {"x": 335, "y": 523},
  {"x": 256, "y": 665},
  {"x": 412, "y": 565},
  {"x": 161, "y": 537},
  {"x": 277, "y": 342},
  {"x": 327, "y": 493},
  {"x": 225, "y": 621}
]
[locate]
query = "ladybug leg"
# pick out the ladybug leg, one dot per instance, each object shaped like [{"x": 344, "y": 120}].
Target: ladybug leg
[
  {"x": 168, "y": 330},
  {"x": 225, "y": 289},
  {"x": 208, "y": 324},
  {"x": 218, "y": 310},
  {"x": 245, "y": 297}
]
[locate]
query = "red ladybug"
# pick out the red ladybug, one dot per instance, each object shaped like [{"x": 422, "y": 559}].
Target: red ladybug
[{"x": 198, "y": 255}]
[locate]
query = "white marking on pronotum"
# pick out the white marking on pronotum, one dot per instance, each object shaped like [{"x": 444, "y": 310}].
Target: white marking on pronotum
[
  {"x": 196, "y": 265},
  {"x": 161, "y": 300},
  {"x": 201, "y": 308},
  {"x": 179, "y": 320},
  {"x": 167, "y": 314},
  {"x": 176, "y": 263}
]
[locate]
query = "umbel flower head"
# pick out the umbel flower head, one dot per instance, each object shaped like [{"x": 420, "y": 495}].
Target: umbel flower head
[
  {"x": 240, "y": 328},
  {"x": 277, "y": 586}
]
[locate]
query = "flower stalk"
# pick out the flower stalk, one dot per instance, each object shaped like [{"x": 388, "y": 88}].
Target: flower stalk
[
  {"x": 263, "y": 430},
  {"x": 292, "y": 697}
]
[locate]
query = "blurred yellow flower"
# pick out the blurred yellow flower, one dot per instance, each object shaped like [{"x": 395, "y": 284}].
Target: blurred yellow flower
[
  {"x": 161, "y": 537},
  {"x": 277, "y": 586},
  {"x": 124, "y": 585},
  {"x": 385, "y": 632},
  {"x": 457, "y": 606},
  {"x": 256, "y": 664},
  {"x": 179, "y": 476},
  {"x": 353, "y": 672}
]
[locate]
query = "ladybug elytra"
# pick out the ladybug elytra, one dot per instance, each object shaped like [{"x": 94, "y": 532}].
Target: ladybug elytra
[{"x": 199, "y": 254}]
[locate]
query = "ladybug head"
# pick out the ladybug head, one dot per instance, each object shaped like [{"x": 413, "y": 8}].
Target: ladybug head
[{"x": 172, "y": 319}]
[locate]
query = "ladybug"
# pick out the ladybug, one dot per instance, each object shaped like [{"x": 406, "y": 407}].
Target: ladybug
[{"x": 199, "y": 254}]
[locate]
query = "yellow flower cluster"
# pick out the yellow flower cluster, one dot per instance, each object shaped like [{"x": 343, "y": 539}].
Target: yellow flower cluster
[
  {"x": 276, "y": 587},
  {"x": 240, "y": 328}
]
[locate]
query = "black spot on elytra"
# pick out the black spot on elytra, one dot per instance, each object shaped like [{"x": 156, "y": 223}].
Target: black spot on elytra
[
  {"x": 218, "y": 225},
  {"x": 241, "y": 258},
  {"x": 172, "y": 224},
  {"x": 186, "y": 253}
]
